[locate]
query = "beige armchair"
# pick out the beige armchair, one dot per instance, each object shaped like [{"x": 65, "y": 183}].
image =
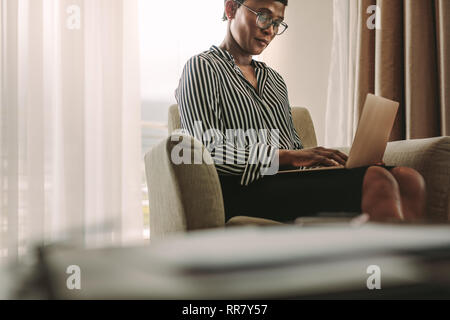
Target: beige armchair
[{"x": 186, "y": 198}]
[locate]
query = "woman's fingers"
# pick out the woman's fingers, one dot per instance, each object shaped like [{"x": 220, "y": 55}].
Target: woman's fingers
[
  {"x": 334, "y": 155},
  {"x": 320, "y": 156},
  {"x": 337, "y": 158},
  {"x": 327, "y": 162},
  {"x": 342, "y": 155}
]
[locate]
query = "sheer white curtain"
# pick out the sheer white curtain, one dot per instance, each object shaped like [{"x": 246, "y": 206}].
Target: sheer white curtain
[
  {"x": 70, "y": 123},
  {"x": 168, "y": 41},
  {"x": 341, "y": 82}
]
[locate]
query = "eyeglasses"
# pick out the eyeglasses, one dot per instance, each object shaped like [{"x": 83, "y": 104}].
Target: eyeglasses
[{"x": 265, "y": 21}]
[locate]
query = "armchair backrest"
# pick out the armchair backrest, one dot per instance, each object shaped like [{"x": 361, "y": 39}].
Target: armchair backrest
[{"x": 302, "y": 122}]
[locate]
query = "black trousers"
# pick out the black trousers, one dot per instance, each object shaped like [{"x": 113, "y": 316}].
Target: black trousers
[{"x": 285, "y": 197}]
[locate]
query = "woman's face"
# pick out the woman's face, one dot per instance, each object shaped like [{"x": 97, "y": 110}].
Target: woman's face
[{"x": 244, "y": 30}]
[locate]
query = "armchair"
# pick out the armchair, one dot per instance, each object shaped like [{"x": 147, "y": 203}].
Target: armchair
[{"x": 187, "y": 198}]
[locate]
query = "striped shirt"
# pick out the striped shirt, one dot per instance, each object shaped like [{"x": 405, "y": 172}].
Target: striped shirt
[{"x": 214, "y": 92}]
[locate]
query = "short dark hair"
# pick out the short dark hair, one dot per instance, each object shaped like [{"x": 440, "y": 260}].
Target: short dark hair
[{"x": 285, "y": 2}]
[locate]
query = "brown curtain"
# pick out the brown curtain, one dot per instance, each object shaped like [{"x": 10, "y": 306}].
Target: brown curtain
[{"x": 407, "y": 60}]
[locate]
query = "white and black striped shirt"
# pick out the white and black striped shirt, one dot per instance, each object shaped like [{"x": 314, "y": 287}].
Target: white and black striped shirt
[{"x": 214, "y": 92}]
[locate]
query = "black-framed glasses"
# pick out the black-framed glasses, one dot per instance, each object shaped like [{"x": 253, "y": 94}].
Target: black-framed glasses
[{"x": 264, "y": 21}]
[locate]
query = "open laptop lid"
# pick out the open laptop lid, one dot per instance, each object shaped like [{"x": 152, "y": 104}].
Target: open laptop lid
[{"x": 373, "y": 132}]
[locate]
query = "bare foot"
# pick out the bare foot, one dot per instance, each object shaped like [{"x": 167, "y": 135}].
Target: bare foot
[
  {"x": 381, "y": 196},
  {"x": 412, "y": 192}
]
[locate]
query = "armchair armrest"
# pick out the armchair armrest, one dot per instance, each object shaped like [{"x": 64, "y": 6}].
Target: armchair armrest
[
  {"x": 430, "y": 157},
  {"x": 251, "y": 221},
  {"x": 182, "y": 197}
]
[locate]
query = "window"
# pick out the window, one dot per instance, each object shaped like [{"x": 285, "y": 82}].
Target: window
[{"x": 171, "y": 32}]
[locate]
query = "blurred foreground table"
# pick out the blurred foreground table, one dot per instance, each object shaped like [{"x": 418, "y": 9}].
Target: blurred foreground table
[{"x": 333, "y": 261}]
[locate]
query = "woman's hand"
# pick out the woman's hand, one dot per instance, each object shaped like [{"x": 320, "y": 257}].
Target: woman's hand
[{"x": 312, "y": 157}]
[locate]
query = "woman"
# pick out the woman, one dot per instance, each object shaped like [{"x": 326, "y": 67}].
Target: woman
[{"x": 224, "y": 89}]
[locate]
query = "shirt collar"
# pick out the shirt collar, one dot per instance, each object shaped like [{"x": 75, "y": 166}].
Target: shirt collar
[{"x": 224, "y": 54}]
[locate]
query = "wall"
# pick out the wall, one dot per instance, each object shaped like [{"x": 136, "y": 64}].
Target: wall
[{"x": 302, "y": 56}]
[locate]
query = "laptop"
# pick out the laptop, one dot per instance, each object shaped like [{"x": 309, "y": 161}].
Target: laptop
[{"x": 371, "y": 137}]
